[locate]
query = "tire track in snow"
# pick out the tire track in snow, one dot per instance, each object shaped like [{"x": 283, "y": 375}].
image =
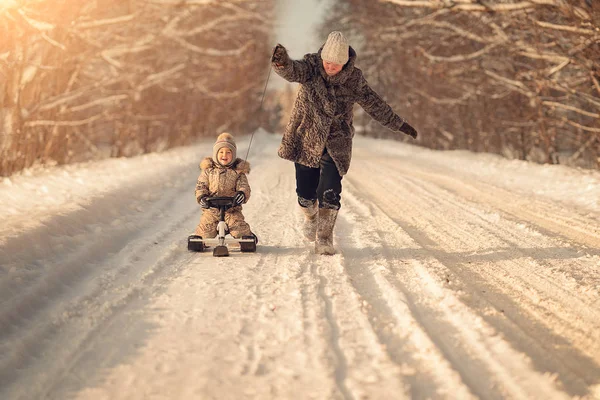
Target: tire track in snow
[
  {"x": 550, "y": 301},
  {"x": 422, "y": 367},
  {"x": 38, "y": 315},
  {"x": 502, "y": 233},
  {"x": 410, "y": 342},
  {"x": 77, "y": 334},
  {"x": 484, "y": 360},
  {"x": 322, "y": 286},
  {"x": 481, "y": 289},
  {"x": 149, "y": 286},
  {"x": 341, "y": 366},
  {"x": 363, "y": 369},
  {"x": 307, "y": 275},
  {"x": 552, "y": 285},
  {"x": 544, "y": 215}
]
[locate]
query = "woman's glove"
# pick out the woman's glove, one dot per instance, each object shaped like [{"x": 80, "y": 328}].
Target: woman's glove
[
  {"x": 279, "y": 56},
  {"x": 239, "y": 198},
  {"x": 409, "y": 130}
]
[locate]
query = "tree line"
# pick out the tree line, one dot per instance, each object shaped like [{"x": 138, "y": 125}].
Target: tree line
[
  {"x": 518, "y": 78},
  {"x": 88, "y": 79}
]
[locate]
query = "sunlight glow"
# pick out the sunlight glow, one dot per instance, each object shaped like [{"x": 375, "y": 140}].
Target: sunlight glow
[{"x": 5, "y": 4}]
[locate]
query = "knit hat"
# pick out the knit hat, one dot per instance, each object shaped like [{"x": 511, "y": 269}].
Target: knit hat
[
  {"x": 335, "y": 49},
  {"x": 224, "y": 140}
]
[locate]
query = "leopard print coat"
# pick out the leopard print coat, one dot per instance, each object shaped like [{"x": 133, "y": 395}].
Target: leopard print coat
[{"x": 322, "y": 114}]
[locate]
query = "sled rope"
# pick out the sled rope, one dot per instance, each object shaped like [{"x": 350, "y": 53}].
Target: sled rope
[{"x": 259, "y": 110}]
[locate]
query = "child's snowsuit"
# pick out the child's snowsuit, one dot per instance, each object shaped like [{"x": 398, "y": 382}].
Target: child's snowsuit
[{"x": 216, "y": 180}]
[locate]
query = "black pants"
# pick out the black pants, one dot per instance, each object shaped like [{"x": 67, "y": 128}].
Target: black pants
[{"x": 323, "y": 184}]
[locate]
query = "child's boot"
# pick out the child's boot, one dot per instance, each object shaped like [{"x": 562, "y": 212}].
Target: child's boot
[
  {"x": 325, "y": 224},
  {"x": 310, "y": 211}
]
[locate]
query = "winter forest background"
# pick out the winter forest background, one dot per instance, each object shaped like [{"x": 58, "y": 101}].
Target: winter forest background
[{"x": 90, "y": 79}]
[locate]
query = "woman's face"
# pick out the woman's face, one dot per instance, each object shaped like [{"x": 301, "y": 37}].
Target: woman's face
[
  {"x": 332, "y": 68},
  {"x": 224, "y": 155}
]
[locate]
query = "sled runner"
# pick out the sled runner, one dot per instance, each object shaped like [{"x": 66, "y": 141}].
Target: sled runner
[{"x": 221, "y": 241}]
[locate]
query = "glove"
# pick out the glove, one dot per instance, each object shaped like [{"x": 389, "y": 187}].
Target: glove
[
  {"x": 409, "y": 130},
  {"x": 202, "y": 201},
  {"x": 239, "y": 198},
  {"x": 279, "y": 56}
]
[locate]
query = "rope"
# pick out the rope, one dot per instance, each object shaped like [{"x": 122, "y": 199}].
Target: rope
[{"x": 259, "y": 110}]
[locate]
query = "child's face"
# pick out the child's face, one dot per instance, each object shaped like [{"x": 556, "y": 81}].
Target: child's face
[{"x": 224, "y": 155}]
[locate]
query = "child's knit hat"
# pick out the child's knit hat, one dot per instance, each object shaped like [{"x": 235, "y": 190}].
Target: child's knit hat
[
  {"x": 224, "y": 140},
  {"x": 336, "y": 49}
]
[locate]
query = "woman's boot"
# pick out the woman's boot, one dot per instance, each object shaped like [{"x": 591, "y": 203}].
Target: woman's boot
[
  {"x": 325, "y": 224},
  {"x": 309, "y": 229}
]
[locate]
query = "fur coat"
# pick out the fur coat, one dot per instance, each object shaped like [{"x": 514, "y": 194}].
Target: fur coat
[
  {"x": 216, "y": 180},
  {"x": 322, "y": 114}
]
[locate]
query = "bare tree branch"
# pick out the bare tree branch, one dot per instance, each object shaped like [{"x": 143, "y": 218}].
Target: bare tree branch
[
  {"x": 35, "y": 24},
  {"x": 596, "y": 84},
  {"x": 110, "y": 100},
  {"x": 455, "y": 29},
  {"x": 557, "y": 68},
  {"x": 52, "y": 41},
  {"x": 458, "y": 58},
  {"x": 544, "y": 56},
  {"x": 182, "y": 3},
  {"x": 554, "y": 104},
  {"x": 583, "y": 127},
  {"x": 565, "y": 28},
  {"x": 222, "y": 95},
  {"x": 210, "y": 51},
  {"x": 475, "y": 6},
  {"x": 104, "y": 22},
  {"x": 511, "y": 83},
  {"x": 62, "y": 123},
  {"x": 592, "y": 139},
  {"x": 436, "y": 100},
  {"x": 158, "y": 78}
]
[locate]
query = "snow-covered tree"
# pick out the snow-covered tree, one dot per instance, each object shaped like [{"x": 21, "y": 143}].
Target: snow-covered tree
[
  {"x": 519, "y": 78},
  {"x": 92, "y": 78}
]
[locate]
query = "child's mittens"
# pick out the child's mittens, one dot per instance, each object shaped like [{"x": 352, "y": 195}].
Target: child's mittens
[
  {"x": 239, "y": 198},
  {"x": 202, "y": 201}
]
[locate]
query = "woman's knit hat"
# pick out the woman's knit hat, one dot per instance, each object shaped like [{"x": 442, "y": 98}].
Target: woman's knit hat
[
  {"x": 336, "y": 49},
  {"x": 224, "y": 140}
]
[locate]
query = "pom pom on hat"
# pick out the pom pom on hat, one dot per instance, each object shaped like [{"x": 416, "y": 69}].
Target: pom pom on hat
[
  {"x": 336, "y": 49},
  {"x": 224, "y": 140}
]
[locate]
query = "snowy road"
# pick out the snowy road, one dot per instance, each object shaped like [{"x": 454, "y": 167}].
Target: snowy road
[{"x": 459, "y": 276}]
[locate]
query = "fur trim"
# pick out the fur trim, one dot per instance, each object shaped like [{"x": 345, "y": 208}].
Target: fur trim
[
  {"x": 207, "y": 163},
  {"x": 240, "y": 166}
]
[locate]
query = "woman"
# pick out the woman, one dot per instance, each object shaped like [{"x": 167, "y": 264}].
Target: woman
[{"x": 318, "y": 137}]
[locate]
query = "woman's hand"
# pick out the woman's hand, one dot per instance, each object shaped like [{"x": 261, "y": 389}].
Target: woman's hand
[
  {"x": 279, "y": 56},
  {"x": 409, "y": 130}
]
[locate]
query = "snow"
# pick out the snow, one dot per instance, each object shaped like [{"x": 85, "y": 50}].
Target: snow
[{"x": 459, "y": 275}]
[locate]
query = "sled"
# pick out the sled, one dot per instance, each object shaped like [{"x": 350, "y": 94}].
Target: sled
[{"x": 222, "y": 241}]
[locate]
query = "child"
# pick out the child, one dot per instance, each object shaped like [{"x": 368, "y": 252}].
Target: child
[{"x": 223, "y": 175}]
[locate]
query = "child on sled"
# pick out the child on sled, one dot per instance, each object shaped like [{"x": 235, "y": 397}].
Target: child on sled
[{"x": 223, "y": 174}]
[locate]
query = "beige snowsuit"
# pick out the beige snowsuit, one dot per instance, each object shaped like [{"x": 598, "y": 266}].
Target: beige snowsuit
[{"x": 216, "y": 180}]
